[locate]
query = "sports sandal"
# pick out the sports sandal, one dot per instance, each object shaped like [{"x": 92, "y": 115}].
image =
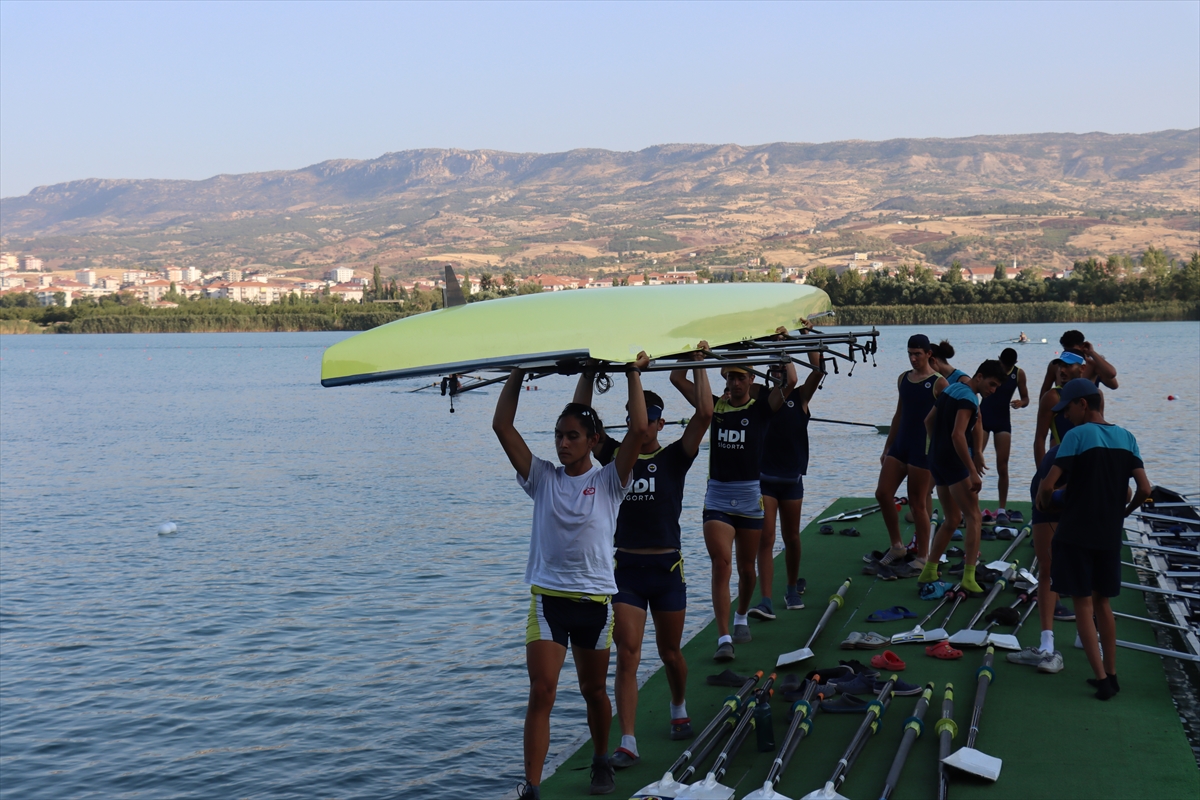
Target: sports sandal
[
  {"x": 849, "y": 532},
  {"x": 944, "y": 651},
  {"x": 891, "y": 614},
  {"x": 872, "y": 641},
  {"x": 727, "y": 678},
  {"x": 887, "y": 660},
  {"x": 851, "y": 641},
  {"x": 825, "y": 530},
  {"x": 681, "y": 729}
]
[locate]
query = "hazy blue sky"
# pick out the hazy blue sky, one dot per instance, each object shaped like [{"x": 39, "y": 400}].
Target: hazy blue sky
[{"x": 189, "y": 90}]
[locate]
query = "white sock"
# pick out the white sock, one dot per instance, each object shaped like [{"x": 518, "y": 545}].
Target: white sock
[
  {"x": 740, "y": 619},
  {"x": 1047, "y": 642},
  {"x": 629, "y": 743},
  {"x": 1000, "y": 511},
  {"x": 726, "y": 639},
  {"x": 679, "y": 711}
]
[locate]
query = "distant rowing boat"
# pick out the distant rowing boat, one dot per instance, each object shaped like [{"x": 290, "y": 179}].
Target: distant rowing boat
[{"x": 1020, "y": 341}]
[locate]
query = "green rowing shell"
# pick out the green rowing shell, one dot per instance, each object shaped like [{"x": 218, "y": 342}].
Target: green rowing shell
[{"x": 539, "y": 330}]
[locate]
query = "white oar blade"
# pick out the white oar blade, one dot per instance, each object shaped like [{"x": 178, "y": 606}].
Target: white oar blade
[
  {"x": 1027, "y": 577},
  {"x": 826, "y": 792},
  {"x": 767, "y": 792},
  {"x": 707, "y": 789},
  {"x": 793, "y": 657},
  {"x": 968, "y": 759},
  {"x": 1005, "y": 641},
  {"x": 666, "y": 789},
  {"x": 999, "y": 566},
  {"x": 969, "y": 639},
  {"x": 917, "y": 634},
  {"x": 936, "y": 635}
]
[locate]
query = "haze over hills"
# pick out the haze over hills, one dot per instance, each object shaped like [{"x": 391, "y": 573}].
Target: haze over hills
[{"x": 583, "y": 208}]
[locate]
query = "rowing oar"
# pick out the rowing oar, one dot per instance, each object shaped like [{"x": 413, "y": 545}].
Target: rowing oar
[
  {"x": 946, "y": 729},
  {"x": 917, "y": 634},
  {"x": 858, "y": 513},
  {"x": 1145, "y": 648},
  {"x": 1008, "y": 641},
  {"x": 1002, "y": 562},
  {"x": 667, "y": 786},
  {"x": 914, "y": 726},
  {"x": 835, "y": 602},
  {"x": 880, "y": 428},
  {"x": 969, "y": 636},
  {"x": 940, "y": 633},
  {"x": 802, "y": 714},
  {"x": 967, "y": 758},
  {"x": 875, "y": 710},
  {"x": 711, "y": 788}
]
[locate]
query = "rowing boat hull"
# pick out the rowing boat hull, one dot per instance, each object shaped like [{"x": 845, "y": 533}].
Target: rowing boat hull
[{"x": 539, "y": 330}]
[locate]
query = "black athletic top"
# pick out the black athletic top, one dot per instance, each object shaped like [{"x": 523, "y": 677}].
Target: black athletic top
[
  {"x": 915, "y": 401},
  {"x": 996, "y": 405},
  {"x": 649, "y": 516},
  {"x": 785, "y": 454},
  {"x": 941, "y": 447},
  {"x": 736, "y": 437},
  {"x": 1098, "y": 461},
  {"x": 1059, "y": 423}
]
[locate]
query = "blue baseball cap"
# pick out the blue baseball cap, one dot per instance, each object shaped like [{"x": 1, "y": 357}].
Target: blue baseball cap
[
  {"x": 1071, "y": 357},
  {"x": 1080, "y": 387},
  {"x": 653, "y": 414}
]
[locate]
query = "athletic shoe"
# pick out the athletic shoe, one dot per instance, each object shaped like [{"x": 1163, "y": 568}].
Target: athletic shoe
[
  {"x": 1030, "y": 657},
  {"x": 1062, "y": 613},
  {"x": 957, "y": 536},
  {"x": 872, "y": 568},
  {"x": 622, "y": 758},
  {"x": 681, "y": 729},
  {"x": 1051, "y": 663},
  {"x": 988, "y": 519},
  {"x": 1002, "y": 518},
  {"x": 794, "y": 601},
  {"x": 762, "y": 611},
  {"x": 1016, "y": 518},
  {"x": 527, "y": 791},
  {"x": 956, "y": 568},
  {"x": 874, "y": 555},
  {"x": 741, "y": 634},
  {"x": 801, "y": 585},
  {"x": 900, "y": 569},
  {"x": 724, "y": 652},
  {"x": 602, "y": 777},
  {"x": 988, "y": 534}
]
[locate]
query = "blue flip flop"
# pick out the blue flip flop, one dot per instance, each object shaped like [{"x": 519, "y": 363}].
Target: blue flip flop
[{"x": 891, "y": 614}]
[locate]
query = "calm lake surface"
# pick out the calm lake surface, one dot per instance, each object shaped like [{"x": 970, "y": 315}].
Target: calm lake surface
[{"x": 342, "y": 612}]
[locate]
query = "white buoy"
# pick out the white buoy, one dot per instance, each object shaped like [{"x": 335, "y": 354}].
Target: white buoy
[{"x": 167, "y": 528}]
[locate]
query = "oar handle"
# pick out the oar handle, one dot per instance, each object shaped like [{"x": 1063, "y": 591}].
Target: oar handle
[
  {"x": 742, "y": 729},
  {"x": 947, "y": 730}
]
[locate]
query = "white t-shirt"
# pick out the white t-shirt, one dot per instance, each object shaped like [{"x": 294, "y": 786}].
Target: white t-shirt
[{"x": 574, "y": 519}]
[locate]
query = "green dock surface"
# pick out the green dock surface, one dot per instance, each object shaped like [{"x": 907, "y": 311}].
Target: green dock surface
[{"x": 1056, "y": 740}]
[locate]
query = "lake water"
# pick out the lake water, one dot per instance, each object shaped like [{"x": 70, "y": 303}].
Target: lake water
[{"x": 342, "y": 612}]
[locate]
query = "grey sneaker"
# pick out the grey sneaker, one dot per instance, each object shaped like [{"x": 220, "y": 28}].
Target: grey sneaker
[
  {"x": 794, "y": 600},
  {"x": 741, "y": 634},
  {"x": 602, "y": 777},
  {"x": 903, "y": 569},
  {"x": 1051, "y": 663},
  {"x": 762, "y": 611},
  {"x": 1030, "y": 657},
  {"x": 724, "y": 652}
]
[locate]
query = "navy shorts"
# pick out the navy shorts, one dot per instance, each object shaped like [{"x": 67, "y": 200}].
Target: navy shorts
[
  {"x": 1039, "y": 517},
  {"x": 581, "y": 621},
  {"x": 783, "y": 490},
  {"x": 1081, "y": 571},
  {"x": 655, "y": 580},
  {"x": 996, "y": 422},
  {"x": 745, "y": 523},
  {"x": 947, "y": 474},
  {"x": 910, "y": 453}
]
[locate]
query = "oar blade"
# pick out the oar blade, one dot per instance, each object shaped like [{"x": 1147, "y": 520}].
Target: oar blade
[
  {"x": 1005, "y": 641},
  {"x": 794, "y": 657},
  {"x": 707, "y": 789},
  {"x": 936, "y": 635},
  {"x": 767, "y": 792},
  {"x": 969, "y": 639},
  {"x": 665, "y": 789},
  {"x": 826, "y": 792},
  {"x": 968, "y": 759},
  {"x": 917, "y": 634}
]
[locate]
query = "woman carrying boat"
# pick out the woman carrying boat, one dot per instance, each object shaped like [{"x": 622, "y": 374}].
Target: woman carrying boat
[
  {"x": 570, "y": 564},
  {"x": 903, "y": 457},
  {"x": 995, "y": 420},
  {"x": 949, "y": 428},
  {"x": 733, "y": 507},
  {"x": 649, "y": 560},
  {"x": 781, "y": 481}
]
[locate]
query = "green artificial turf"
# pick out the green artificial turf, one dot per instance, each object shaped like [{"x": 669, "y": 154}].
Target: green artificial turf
[{"x": 1055, "y": 739}]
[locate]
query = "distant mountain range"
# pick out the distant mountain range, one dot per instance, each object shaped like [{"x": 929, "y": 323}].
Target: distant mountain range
[{"x": 411, "y": 204}]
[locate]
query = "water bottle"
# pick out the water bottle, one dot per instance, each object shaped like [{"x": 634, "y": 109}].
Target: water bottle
[{"x": 763, "y": 727}]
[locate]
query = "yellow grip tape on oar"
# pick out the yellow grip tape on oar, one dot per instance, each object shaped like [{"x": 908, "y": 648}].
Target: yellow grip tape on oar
[
  {"x": 946, "y": 724},
  {"x": 802, "y": 706},
  {"x": 877, "y": 707},
  {"x": 836, "y": 598},
  {"x": 806, "y": 726},
  {"x": 916, "y": 724},
  {"x": 988, "y": 671}
]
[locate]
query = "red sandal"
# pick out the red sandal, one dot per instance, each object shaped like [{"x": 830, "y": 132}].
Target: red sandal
[
  {"x": 887, "y": 660},
  {"x": 944, "y": 651}
]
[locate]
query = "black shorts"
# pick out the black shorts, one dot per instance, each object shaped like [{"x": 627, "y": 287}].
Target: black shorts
[
  {"x": 911, "y": 452},
  {"x": 1038, "y": 517},
  {"x": 1081, "y": 571},
  {"x": 783, "y": 490},
  {"x": 948, "y": 474},
  {"x": 995, "y": 422},
  {"x": 651, "y": 579},
  {"x": 582, "y": 622},
  {"x": 744, "y": 523}
]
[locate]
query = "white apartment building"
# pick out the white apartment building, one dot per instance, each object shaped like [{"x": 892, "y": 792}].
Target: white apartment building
[
  {"x": 340, "y": 275},
  {"x": 86, "y": 276},
  {"x": 31, "y": 264},
  {"x": 174, "y": 274},
  {"x": 190, "y": 275},
  {"x": 9, "y": 262},
  {"x": 231, "y": 275}
]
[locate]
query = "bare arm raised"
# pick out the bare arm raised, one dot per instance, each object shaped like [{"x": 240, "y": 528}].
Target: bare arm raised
[
  {"x": 693, "y": 434},
  {"x": 639, "y": 427},
  {"x": 506, "y": 431}
]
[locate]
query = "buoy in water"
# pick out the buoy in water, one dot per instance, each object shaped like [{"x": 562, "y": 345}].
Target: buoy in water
[
  {"x": 167, "y": 528},
  {"x": 1170, "y": 397}
]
